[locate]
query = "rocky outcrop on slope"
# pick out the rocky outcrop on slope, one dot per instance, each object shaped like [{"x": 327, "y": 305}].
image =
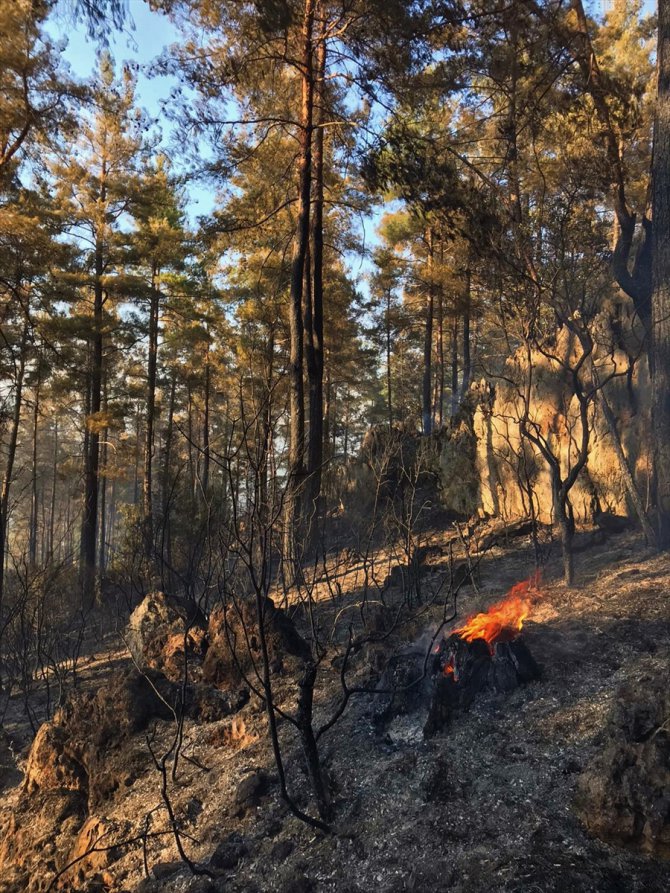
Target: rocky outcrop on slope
[
  {"x": 487, "y": 465},
  {"x": 234, "y": 644},
  {"x": 162, "y": 631}
]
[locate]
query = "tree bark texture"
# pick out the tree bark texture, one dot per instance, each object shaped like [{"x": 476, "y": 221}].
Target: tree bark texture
[
  {"x": 660, "y": 341},
  {"x": 296, "y": 456}
]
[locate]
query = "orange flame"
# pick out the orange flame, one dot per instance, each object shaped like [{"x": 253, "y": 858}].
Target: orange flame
[{"x": 504, "y": 620}]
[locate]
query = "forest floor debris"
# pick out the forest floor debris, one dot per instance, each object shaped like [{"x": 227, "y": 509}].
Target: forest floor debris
[{"x": 487, "y": 804}]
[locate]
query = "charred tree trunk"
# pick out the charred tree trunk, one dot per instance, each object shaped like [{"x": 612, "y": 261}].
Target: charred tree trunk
[
  {"x": 660, "y": 341},
  {"x": 205, "y": 427},
  {"x": 566, "y": 528},
  {"x": 304, "y": 721},
  {"x": 426, "y": 393},
  {"x": 89, "y": 530},
  {"x": 152, "y": 361},
  {"x": 11, "y": 454},
  {"x": 316, "y": 356},
  {"x": 304, "y": 713},
  {"x": 624, "y": 468},
  {"x": 32, "y": 538},
  {"x": 296, "y": 456},
  {"x": 467, "y": 361}
]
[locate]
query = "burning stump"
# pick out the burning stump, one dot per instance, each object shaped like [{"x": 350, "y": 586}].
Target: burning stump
[
  {"x": 487, "y": 654},
  {"x": 462, "y": 669}
]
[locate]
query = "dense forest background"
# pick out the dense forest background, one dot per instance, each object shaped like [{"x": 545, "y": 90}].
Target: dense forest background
[{"x": 159, "y": 368}]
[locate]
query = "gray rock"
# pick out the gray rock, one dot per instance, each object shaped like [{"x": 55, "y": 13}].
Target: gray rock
[
  {"x": 229, "y": 852},
  {"x": 282, "y": 850},
  {"x": 251, "y": 788},
  {"x": 166, "y": 869},
  {"x": 151, "y": 615}
]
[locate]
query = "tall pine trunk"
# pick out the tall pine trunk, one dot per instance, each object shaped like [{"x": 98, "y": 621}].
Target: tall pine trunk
[
  {"x": 152, "y": 359},
  {"x": 389, "y": 383},
  {"x": 316, "y": 355},
  {"x": 454, "y": 367},
  {"x": 34, "y": 504},
  {"x": 11, "y": 454},
  {"x": 467, "y": 361},
  {"x": 426, "y": 391},
  {"x": 205, "y": 427},
  {"x": 54, "y": 485},
  {"x": 296, "y": 457},
  {"x": 660, "y": 341},
  {"x": 102, "y": 508},
  {"x": 166, "y": 544},
  {"x": 89, "y": 529}
]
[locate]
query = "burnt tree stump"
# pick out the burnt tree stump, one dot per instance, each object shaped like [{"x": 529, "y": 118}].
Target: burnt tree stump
[{"x": 460, "y": 670}]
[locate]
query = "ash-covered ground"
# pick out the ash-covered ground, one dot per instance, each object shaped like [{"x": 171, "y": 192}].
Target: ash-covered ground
[{"x": 486, "y": 804}]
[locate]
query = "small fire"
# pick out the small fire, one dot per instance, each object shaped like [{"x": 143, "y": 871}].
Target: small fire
[
  {"x": 504, "y": 620},
  {"x": 449, "y": 668}
]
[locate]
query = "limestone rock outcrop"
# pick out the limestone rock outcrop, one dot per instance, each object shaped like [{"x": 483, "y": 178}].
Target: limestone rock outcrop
[
  {"x": 161, "y": 631},
  {"x": 488, "y": 467},
  {"x": 234, "y": 648}
]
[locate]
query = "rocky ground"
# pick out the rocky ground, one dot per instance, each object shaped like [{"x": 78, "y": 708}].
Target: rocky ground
[{"x": 508, "y": 797}]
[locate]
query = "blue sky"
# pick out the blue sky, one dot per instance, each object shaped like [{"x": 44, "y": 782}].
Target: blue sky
[
  {"x": 140, "y": 42},
  {"x": 143, "y": 39}
]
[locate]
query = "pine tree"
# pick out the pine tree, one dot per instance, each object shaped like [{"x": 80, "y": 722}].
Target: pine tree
[
  {"x": 157, "y": 248},
  {"x": 97, "y": 182}
]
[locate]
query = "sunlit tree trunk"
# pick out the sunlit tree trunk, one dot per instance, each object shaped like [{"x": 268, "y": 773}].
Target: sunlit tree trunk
[
  {"x": 426, "y": 402},
  {"x": 315, "y": 354},
  {"x": 189, "y": 429},
  {"x": 54, "y": 484},
  {"x": 207, "y": 396},
  {"x": 166, "y": 547},
  {"x": 467, "y": 360},
  {"x": 89, "y": 528},
  {"x": 660, "y": 341},
  {"x": 327, "y": 404},
  {"x": 389, "y": 382},
  {"x": 102, "y": 512},
  {"x": 296, "y": 456},
  {"x": 454, "y": 366}
]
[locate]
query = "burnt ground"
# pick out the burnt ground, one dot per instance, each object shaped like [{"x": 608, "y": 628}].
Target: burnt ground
[{"x": 487, "y": 804}]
